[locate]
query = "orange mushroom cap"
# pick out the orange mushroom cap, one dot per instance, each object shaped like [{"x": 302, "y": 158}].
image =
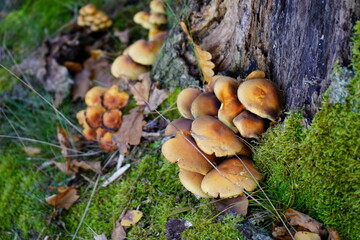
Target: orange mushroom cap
[
  {"x": 212, "y": 136},
  {"x": 192, "y": 182},
  {"x": 180, "y": 125},
  {"x": 93, "y": 116},
  {"x": 125, "y": 65},
  {"x": 107, "y": 144},
  {"x": 111, "y": 119},
  {"x": 249, "y": 125},
  {"x": 238, "y": 174},
  {"x": 185, "y": 99},
  {"x": 205, "y": 104},
  {"x": 144, "y": 52},
  {"x": 88, "y": 9},
  {"x": 157, "y": 18},
  {"x": 113, "y": 98},
  {"x": 93, "y": 96},
  {"x": 261, "y": 97},
  {"x": 89, "y": 134},
  {"x": 255, "y": 74},
  {"x": 80, "y": 116},
  {"x": 157, "y": 6}
]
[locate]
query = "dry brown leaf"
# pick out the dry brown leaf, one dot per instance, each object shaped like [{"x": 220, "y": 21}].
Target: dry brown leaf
[
  {"x": 239, "y": 205},
  {"x": 65, "y": 144},
  {"x": 157, "y": 96},
  {"x": 118, "y": 232},
  {"x": 131, "y": 218},
  {"x": 75, "y": 166},
  {"x": 281, "y": 233},
  {"x": 333, "y": 234},
  {"x": 203, "y": 57},
  {"x": 131, "y": 129},
  {"x": 32, "y": 151},
  {"x": 82, "y": 84},
  {"x": 66, "y": 197},
  {"x": 297, "y": 218},
  {"x": 123, "y": 36},
  {"x": 141, "y": 90}
]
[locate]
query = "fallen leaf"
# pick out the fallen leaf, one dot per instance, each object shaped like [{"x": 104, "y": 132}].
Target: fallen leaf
[
  {"x": 297, "y": 218},
  {"x": 76, "y": 166},
  {"x": 118, "y": 232},
  {"x": 131, "y": 129},
  {"x": 203, "y": 57},
  {"x": 32, "y": 151},
  {"x": 64, "y": 144},
  {"x": 131, "y": 218},
  {"x": 141, "y": 90},
  {"x": 66, "y": 197},
  {"x": 281, "y": 233},
  {"x": 157, "y": 96},
  {"x": 100, "y": 237},
  {"x": 239, "y": 205},
  {"x": 124, "y": 36},
  {"x": 82, "y": 84}
]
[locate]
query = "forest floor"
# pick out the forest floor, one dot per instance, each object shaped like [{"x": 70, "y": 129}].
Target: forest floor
[{"x": 313, "y": 168}]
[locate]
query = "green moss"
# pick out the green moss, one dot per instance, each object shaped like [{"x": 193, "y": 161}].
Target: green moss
[
  {"x": 168, "y": 108},
  {"x": 152, "y": 186},
  {"x": 316, "y": 169}
]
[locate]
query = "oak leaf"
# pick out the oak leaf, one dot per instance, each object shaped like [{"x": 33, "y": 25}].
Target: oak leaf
[{"x": 66, "y": 197}]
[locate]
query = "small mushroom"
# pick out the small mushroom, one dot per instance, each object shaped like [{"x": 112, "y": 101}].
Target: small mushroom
[
  {"x": 249, "y": 125},
  {"x": 302, "y": 235},
  {"x": 93, "y": 96},
  {"x": 89, "y": 134},
  {"x": 183, "y": 150},
  {"x": 261, "y": 97},
  {"x": 192, "y": 182},
  {"x": 225, "y": 89},
  {"x": 157, "y": 6},
  {"x": 93, "y": 116},
  {"x": 238, "y": 174},
  {"x": 180, "y": 125},
  {"x": 113, "y": 98},
  {"x": 255, "y": 74},
  {"x": 142, "y": 18},
  {"x": 111, "y": 119},
  {"x": 157, "y": 18},
  {"x": 144, "y": 52},
  {"x": 205, "y": 104},
  {"x": 107, "y": 144},
  {"x": 80, "y": 116},
  {"x": 88, "y": 9},
  {"x": 185, "y": 99},
  {"x": 212, "y": 136},
  {"x": 158, "y": 37},
  {"x": 100, "y": 132},
  {"x": 125, "y": 65}
]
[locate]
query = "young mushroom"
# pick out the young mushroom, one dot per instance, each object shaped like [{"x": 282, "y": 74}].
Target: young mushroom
[
  {"x": 249, "y": 125},
  {"x": 143, "y": 18},
  {"x": 93, "y": 96},
  {"x": 192, "y": 182},
  {"x": 236, "y": 175},
  {"x": 212, "y": 136},
  {"x": 185, "y": 99},
  {"x": 111, "y": 119},
  {"x": 144, "y": 52},
  {"x": 261, "y": 97},
  {"x": 225, "y": 89},
  {"x": 113, "y": 98},
  {"x": 89, "y": 134},
  {"x": 205, "y": 104},
  {"x": 255, "y": 74},
  {"x": 157, "y": 6},
  {"x": 125, "y": 65},
  {"x": 107, "y": 144},
  {"x": 93, "y": 116}
]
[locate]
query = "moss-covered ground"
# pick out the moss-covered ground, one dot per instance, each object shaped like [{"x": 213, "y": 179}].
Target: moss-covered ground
[{"x": 314, "y": 169}]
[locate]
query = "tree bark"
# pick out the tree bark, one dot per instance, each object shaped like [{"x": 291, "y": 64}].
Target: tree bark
[{"x": 296, "y": 42}]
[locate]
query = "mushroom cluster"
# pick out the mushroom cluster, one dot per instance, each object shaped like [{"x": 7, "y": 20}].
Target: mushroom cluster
[
  {"x": 212, "y": 130},
  {"x": 139, "y": 56},
  {"x": 102, "y": 117},
  {"x": 91, "y": 17}
]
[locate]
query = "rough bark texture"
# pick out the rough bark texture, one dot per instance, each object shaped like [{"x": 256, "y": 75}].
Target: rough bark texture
[{"x": 295, "y": 42}]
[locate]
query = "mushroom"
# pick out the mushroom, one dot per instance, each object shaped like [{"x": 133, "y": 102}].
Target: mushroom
[
  {"x": 125, "y": 65},
  {"x": 237, "y": 174},
  {"x": 261, "y": 97},
  {"x": 88, "y": 9},
  {"x": 89, "y": 134},
  {"x": 100, "y": 132},
  {"x": 111, "y": 119},
  {"x": 93, "y": 116},
  {"x": 144, "y": 52},
  {"x": 255, "y": 74},
  {"x": 157, "y": 6},
  {"x": 157, "y": 18},
  {"x": 249, "y": 125},
  {"x": 192, "y": 182},
  {"x": 113, "y": 98},
  {"x": 158, "y": 37},
  {"x": 212, "y": 136},
  {"x": 106, "y": 143},
  {"x": 142, "y": 18},
  {"x": 93, "y": 96},
  {"x": 302, "y": 235},
  {"x": 180, "y": 125},
  {"x": 183, "y": 150},
  {"x": 225, "y": 89},
  {"x": 185, "y": 99},
  {"x": 80, "y": 116},
  {"x": 205, "y": 104}
]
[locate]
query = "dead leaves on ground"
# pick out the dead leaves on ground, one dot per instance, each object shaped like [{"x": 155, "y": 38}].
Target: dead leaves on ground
[
  {"x": 238, "y": 204},
  {"x": 125, "y": 221},
  {"x": 307, "y": 228},
  {"x": 65, "y": 198}
]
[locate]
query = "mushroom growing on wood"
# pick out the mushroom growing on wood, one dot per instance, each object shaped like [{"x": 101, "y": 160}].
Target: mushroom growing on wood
[
  {"x": 183, "y": 150},
  {"x": 212, "y": 136},
  {"x": 237, "y": 175},
  {"x": 225, "y": 89},
  {"x": 255, "y": 74},
  {"x": 205, "y": 104},
  {"x": 125, "y": 65},
  {"x": 249, "y": 125},
  {"x": 261, "y": 97},
  {"x": 142, "y": 18},
  {"x": 144, "y": 52},
  {"x": 185, "y": 99}
]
